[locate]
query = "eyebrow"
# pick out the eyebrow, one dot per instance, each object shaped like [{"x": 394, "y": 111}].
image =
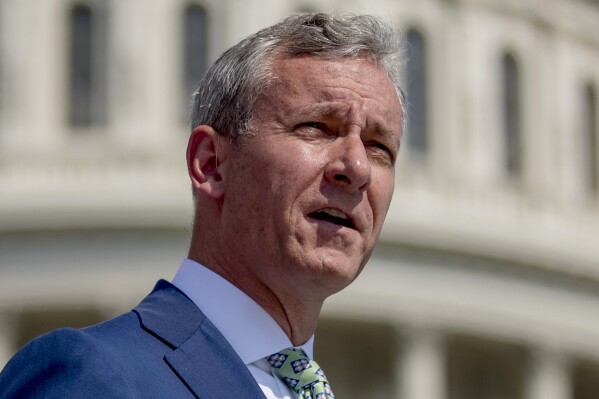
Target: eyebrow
[
  {"x": 386, "y": 132},
  {"x": 318, "y": 111}
]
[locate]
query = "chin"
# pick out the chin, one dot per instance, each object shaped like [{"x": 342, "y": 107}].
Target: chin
[{"x": 340, "y": 271}]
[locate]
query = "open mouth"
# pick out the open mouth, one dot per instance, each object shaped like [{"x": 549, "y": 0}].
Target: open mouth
[{"x": 333, "y": 216}]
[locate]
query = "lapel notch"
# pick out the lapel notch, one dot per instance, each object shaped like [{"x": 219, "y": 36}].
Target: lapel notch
[{"x": 200, "y": 356}]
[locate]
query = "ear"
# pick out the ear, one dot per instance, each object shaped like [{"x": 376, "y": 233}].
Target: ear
[{"x": 206, "y": 155}]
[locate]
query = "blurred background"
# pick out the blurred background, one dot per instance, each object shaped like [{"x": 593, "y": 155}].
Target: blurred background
[{"x": 485, "y": 284}]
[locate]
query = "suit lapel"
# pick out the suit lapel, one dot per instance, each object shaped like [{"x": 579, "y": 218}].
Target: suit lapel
[
  {"x": 201, "y": 357},
  {"x": 211, "y": 368}
]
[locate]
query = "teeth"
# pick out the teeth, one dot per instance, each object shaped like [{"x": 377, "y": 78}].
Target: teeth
[{"x": 336, "y": 213}]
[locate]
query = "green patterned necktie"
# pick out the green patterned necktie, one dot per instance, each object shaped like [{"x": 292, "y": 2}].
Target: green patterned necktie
[{"x": 301, "y": 374}]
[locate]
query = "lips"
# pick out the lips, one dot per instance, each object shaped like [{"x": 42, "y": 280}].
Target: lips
[{"x": 335, "y": 216}]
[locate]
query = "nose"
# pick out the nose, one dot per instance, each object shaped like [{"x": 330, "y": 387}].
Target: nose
[{"x": 349, "y": 165}]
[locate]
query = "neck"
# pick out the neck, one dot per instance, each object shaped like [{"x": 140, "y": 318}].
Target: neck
[
  {"x": 295, "y": 313},
  {"x": 298, "y": 319}
]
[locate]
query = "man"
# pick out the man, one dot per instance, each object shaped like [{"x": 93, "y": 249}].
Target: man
[{"x": 296, "y": 130}]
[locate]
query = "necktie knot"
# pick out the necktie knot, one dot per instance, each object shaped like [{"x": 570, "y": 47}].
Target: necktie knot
[{"x": 301, "y": 374}]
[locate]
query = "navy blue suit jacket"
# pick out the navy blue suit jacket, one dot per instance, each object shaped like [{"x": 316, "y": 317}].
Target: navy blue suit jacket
[{"x": 164, "y": 348}]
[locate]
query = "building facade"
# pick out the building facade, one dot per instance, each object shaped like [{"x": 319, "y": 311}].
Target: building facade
[{"x": 486, "y": 281}]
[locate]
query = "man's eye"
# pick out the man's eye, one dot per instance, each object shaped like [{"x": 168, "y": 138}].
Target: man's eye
[
  {"x": 381, "y": 151},
  {"x": 314, "y": 130},
  {"x": 313, "y": 125}
]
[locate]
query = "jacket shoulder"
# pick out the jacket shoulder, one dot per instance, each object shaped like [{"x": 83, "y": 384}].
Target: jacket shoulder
[
  {"x": 121, "y": 357},
  {"x": 65, "y": 363}
]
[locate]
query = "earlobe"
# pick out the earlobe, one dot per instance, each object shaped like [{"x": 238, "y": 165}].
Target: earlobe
[{"x": 206, "y": 155}]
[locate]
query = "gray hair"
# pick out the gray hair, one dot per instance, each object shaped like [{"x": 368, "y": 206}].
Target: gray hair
[{"x": 228, "y": 92}]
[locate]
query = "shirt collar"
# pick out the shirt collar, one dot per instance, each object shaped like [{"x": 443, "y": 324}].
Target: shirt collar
[{"x": 248, "y": 328}]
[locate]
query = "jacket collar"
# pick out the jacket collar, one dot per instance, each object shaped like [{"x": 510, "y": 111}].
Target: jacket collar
[{"x": 199, "y": 355}]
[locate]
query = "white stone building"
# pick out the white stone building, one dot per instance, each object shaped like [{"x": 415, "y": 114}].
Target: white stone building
[{"x": 486, "y": 282}]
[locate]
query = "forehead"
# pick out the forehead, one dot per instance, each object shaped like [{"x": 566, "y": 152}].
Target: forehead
[{"x": 318, "y": 87}]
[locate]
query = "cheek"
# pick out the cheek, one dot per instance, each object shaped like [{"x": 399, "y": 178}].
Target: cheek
[
  {"x": 381, "y": 195},
  {"x": 297, "y": 165},
  {"x": 246, "y": 200}
]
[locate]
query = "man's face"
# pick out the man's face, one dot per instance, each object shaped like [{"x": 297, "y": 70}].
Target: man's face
[{"x": 307, "y": 193}]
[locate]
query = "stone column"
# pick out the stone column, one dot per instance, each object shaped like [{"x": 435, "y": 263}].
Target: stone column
[
  {"x": 548, "y": 377},
  {"x": 7, "y": 338},
  {"x": 420, "y": 366}
]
